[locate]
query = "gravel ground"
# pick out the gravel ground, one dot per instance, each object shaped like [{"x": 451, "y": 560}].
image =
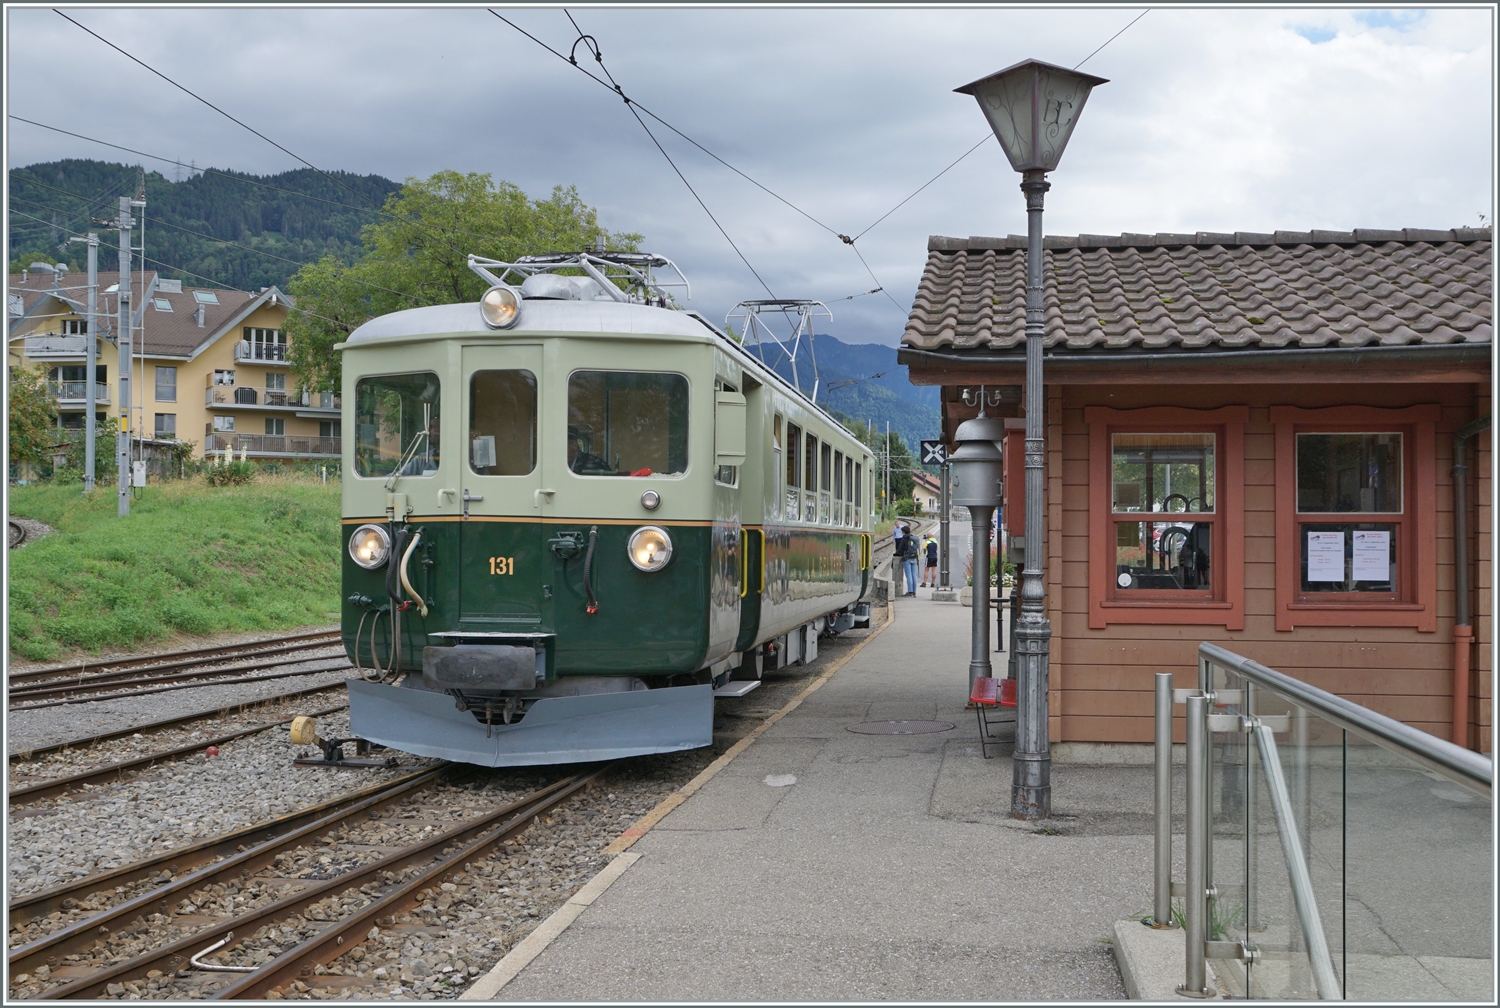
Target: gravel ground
[
  {"x": 251, "y": 780},
  {"x": 462, "y": 928},
  {"x": 50, "y": 725},
  {"x": 34, "y": 530},
  {"x": 24, "y": 772}
]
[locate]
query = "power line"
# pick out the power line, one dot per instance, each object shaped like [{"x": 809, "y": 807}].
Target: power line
[
  {"x": 212, "y": 238},
  {"x": 1112, "y": 38},
  {"x": 206, "y": 171},
  {"x": 251, "y": 129},
  {"x": 924, "y": 185},
  {"x": 178, "y": 269}
]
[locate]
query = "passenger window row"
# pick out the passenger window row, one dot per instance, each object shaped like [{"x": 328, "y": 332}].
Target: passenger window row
[{"x": 822, "y": 486}]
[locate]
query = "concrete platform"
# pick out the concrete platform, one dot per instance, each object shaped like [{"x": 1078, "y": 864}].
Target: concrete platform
[{"x": 890, "y": 869}]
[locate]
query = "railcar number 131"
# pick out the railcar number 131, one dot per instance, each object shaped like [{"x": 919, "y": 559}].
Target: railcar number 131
[{"x": 502, "y": 565}]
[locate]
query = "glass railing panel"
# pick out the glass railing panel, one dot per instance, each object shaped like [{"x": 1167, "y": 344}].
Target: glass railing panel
[
  {"x": 1418, "y": 902},
  {"x": 1295, "y": 851},
  {"x": 1229, "y": 852}
]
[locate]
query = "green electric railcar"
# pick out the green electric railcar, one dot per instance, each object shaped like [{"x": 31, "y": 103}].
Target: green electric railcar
[{"x": 572, "y": 514}]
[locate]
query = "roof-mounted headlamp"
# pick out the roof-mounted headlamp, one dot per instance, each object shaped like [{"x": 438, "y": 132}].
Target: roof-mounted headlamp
[{"x": 500, "y": 307}]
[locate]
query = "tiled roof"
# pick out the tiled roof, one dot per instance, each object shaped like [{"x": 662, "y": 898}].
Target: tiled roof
[
  {"x": 1188, "y": 291},
  {"x": 174, "y": 333}
]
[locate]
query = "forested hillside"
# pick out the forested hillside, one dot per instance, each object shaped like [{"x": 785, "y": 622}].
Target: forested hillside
[{"x": 299, "y": 216}]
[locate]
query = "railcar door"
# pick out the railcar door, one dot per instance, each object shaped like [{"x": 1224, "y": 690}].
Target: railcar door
[{"x": 502, "y": 548}]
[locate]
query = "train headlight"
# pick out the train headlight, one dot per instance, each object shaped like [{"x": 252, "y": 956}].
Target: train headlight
[
  {"x": 650, "y": 548},
  {"x": 500, "y": 307},
  {"x": 370, "y": 546}
]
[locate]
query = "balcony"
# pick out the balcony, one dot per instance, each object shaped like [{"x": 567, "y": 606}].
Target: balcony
[
  {"x": 273, "y": 445},
  {"x": 75, "y": 393},
  {"x": 55, "y": 345},
  {"x": 230, "y": 396},
  {"x": 269, "y": 353}
]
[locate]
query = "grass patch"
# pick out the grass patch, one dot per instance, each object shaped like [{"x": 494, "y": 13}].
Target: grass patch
[{"x": 190, "y": 559}]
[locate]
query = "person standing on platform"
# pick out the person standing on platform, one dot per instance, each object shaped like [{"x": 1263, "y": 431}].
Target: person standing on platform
[
  {"x": 909, "y": 559},
  {"x": 929, "y": 576}
]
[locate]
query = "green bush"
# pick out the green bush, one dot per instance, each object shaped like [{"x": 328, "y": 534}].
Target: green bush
[
  {"x": 229, "y": 473},
  {"x": 906, "y": 507}
]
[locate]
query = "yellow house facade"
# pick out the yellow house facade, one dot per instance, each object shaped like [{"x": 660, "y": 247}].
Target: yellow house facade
[{"x": 210, "y": 365}]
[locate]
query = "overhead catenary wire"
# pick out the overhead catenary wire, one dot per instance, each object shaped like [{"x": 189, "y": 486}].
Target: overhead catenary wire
[{"x": 630, "y": 105}]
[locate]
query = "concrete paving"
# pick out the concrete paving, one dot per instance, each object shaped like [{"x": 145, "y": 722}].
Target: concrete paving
[{"x": 888, "y": 870}]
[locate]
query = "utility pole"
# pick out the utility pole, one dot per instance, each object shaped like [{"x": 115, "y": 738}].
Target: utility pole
[
  {"x": 124, "y": 335},
  {"x": 90, "y": 427},
  {"x": 888, "y": 468}
]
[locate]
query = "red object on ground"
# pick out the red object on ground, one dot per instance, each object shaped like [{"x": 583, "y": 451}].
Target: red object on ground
[{"x": 212, "y": 750}]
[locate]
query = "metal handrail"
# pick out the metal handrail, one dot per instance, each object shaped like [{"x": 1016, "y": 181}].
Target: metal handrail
[{"x": 1462, "y": 766}]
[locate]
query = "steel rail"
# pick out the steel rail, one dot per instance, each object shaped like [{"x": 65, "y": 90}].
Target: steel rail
[
  {"x": 81, "y": 935},
  {"x": 177, "y": 659},
  {"x": 170, "y": 957},
  {"x": 1461, "y": 766},
  {"x": 164, "y": 723},
  {"x": 16, "y": 533},
  {"x": 44, "y": 902},
  {"x": 345, "y": 666},
  {"x": 60, "y": 785},
  {"x": 60, "y": 687},
  {"x": 333, "y": 942}
]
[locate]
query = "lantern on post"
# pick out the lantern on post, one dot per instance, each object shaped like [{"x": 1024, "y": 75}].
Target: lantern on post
[{"x": 1032, "y": 108}]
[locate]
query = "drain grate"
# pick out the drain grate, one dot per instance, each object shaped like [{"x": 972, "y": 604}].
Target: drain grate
[{"x": 899, "y": 727}]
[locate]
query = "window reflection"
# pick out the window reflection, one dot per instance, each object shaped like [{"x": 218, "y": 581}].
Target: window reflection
[{"x": 623, "y": 423}]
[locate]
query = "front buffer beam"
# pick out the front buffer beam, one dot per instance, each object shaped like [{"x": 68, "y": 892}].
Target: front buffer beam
[{"x": 576, "y": 729}]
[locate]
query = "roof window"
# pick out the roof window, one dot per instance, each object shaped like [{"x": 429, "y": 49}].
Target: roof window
[
  {"x": 205, "y": 297},
  {"x": 162, "y": 304}
]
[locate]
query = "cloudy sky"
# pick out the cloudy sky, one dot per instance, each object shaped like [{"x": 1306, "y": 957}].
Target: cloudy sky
[{"x": 1214, "y": 120}]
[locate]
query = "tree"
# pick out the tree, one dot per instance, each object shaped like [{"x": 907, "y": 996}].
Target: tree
[
  {"x": 903, "y": 483},
  {"x": 33, "y": 416},
  {"x": 417, "y": 255}
]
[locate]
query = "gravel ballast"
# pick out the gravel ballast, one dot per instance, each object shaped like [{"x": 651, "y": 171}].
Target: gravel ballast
[{"x": 30, "y": 729}]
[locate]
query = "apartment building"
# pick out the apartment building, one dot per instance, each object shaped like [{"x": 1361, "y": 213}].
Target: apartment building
[{"x": 210, "y": 364}]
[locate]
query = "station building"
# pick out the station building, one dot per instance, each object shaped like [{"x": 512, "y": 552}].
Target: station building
[
  {"x": 1250, "y": 439},
  {"x": 210, "y": 364}
]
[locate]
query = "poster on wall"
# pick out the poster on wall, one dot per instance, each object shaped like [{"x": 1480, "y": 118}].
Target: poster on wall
[
  {"x": 1372, "y": 556},
  {"x": 1325, "y": 556}
]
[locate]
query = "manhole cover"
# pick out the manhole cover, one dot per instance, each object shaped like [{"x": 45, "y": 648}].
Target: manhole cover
[{"x": 900, "y": 727}]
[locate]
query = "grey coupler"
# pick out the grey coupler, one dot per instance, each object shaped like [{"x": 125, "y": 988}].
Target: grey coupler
[{"x": 576, "y": 729}]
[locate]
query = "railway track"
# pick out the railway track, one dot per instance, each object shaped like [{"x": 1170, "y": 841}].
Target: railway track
[
  {"x": 148, "y": 665},
  {"x": 114, "y": 771},
  {"x": 337, "y": 877},
  {"x": 16, "y": 533},
  {"x": 163, "y": 724},
  {"x": 193, "y": 680}
]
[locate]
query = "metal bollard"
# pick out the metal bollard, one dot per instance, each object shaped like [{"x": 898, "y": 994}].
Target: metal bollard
[
  {"x": 1195, "y": 898},
  {"x": 1161, "y": 913}
]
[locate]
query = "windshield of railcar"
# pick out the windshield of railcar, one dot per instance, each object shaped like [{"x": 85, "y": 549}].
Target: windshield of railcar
[
  {"x": 396, "y": 424},
  {"x": 627, "y": 423}
]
